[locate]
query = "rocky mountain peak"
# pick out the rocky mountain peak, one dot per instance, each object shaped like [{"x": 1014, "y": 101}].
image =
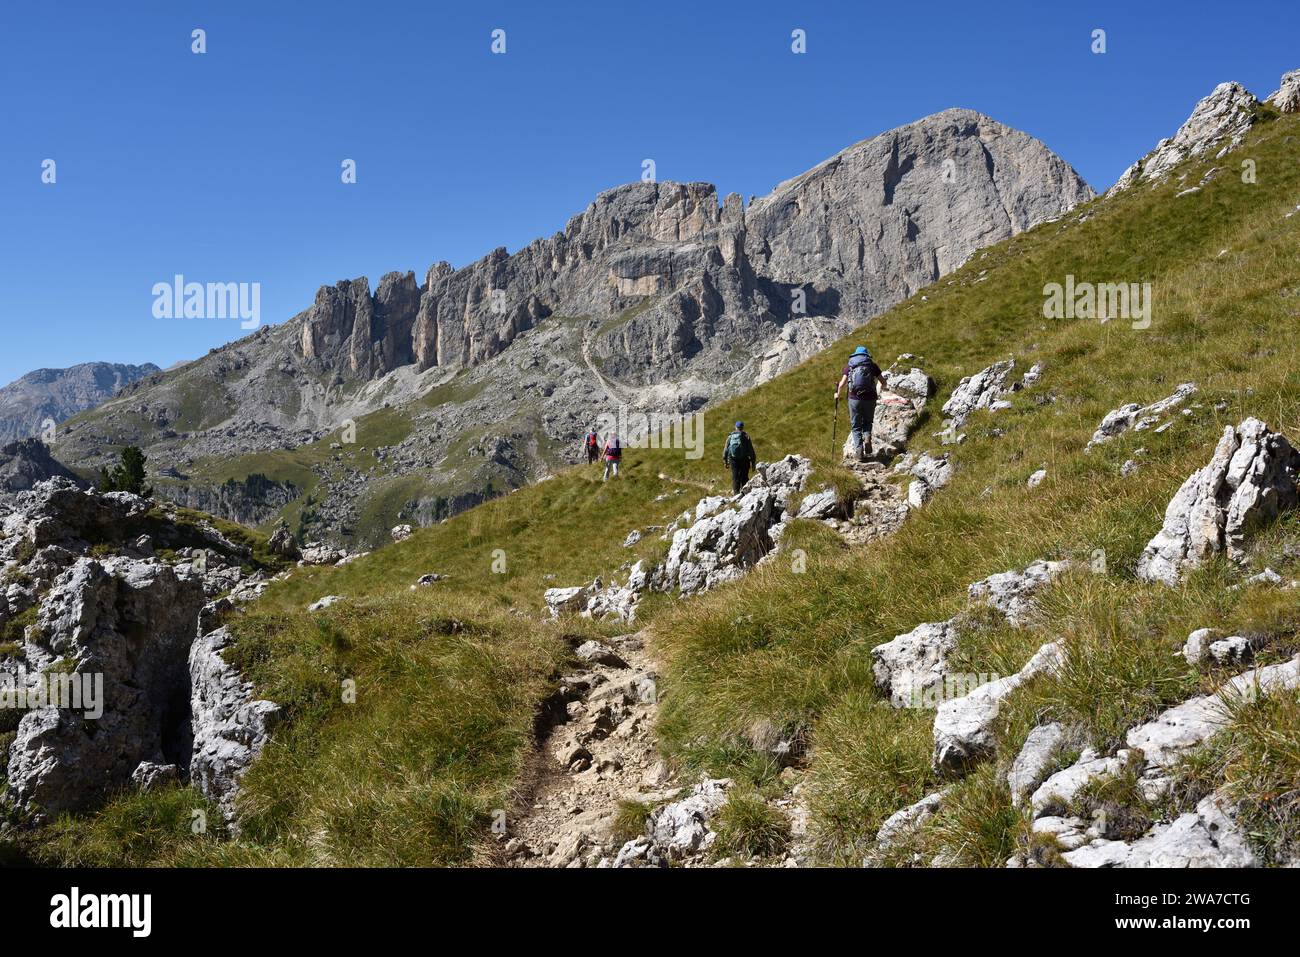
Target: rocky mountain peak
[
  {"x": 58, "y": 394},
  {"x": 1220, "y": 120},
  {"x": 1287, "y": 96},
  {"x": 656, "y": 296}
]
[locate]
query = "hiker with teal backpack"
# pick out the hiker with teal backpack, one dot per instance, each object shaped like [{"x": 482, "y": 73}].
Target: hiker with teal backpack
[
  {"x": 861, "y": 375},
  {"x": 738, "y": 455}
]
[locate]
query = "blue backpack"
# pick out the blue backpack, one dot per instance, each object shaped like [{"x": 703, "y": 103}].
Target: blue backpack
[{"x": 860, "y": 378}]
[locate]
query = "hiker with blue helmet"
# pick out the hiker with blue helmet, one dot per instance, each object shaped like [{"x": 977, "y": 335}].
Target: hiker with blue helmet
[
  {"x": 738, "y": 455},
  {"x": 861, "y": 375}
]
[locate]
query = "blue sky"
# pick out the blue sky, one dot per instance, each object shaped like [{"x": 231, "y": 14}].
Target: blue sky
[{"x": 225, "y": 166}]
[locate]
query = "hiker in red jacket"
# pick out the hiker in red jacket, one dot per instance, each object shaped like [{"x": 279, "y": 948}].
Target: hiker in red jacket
[
  {"x": 591, "y": 442},
  {"x": 613, "y": 455}
]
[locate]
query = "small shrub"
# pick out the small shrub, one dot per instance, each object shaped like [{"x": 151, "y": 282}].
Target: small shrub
[
  {"x": 748, "y": 826},
  {"x": 630, "y": 820}
]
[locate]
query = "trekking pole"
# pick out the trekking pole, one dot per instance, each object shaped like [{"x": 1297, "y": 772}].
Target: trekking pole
[{"x": 835, "y": 427}]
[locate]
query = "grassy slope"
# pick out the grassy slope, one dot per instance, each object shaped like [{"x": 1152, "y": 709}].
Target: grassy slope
[{"x": 411, "y": 772}]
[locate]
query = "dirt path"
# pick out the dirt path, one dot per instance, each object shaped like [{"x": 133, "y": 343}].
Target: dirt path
[
  {"x": 597, "y": 747},
  {"x": 880, "y": 509},
  {"x": 598, "y": 752}
]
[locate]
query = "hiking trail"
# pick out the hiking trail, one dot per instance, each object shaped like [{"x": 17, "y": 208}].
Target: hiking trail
[{"x": 597, "y": 749}]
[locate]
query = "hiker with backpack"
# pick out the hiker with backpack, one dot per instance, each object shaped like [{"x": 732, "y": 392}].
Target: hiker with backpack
[
  {"x": 591, "y": 442},
  {"x": 613, "y": 455},
  {"x": 738, "y": 455},
  {"x": 861, "y": 375}
]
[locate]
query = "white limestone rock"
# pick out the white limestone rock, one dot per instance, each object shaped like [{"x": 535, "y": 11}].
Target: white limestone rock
[
  {"x": 963, "y": 727},
  {"x": 1250, "y": 479}
]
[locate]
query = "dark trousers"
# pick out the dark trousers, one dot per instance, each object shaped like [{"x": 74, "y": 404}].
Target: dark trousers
[
  {"x": 592, "y": 454},
  {"x": 739, "y": 474},
  {"x": 861, "y": 414}
]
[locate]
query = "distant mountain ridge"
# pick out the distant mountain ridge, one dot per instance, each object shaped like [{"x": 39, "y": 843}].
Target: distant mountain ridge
[
  {"x": 659, "y": 296},
  {"x": 58, "y": 394}
]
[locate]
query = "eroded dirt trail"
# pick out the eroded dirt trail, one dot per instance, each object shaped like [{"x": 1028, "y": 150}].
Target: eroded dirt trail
[
  {"x": 597, "y": 748},
  {"x": 598, "y": 751}
]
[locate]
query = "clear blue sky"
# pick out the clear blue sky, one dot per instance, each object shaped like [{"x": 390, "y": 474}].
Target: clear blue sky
[{"x": 225, "y": 166}]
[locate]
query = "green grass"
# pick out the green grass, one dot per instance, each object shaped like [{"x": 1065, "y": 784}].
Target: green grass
[
  {"x": 800, "y": 653},
  {"x": 1256, "y": 763},
  {"x": 442, "y": 725},
  {"x": 406, "y": 722},
  {"x": 747, "y": 826},
  {"x": 630, "y": 820},
  {"x": 159, "y": 829}
]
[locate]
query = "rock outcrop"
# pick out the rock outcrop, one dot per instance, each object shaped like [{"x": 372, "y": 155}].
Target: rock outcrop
[
  {"x": 863, "y": 212},
  {"x": 1176, "y": 732},
  {"x": 903, "y": 823},
  {"x": 901, "y": 403},
  {"x": 912, "y": 669},
  {"x": 723, "y": 540},
  {"x": 1138, "y": 417},
  {"x": 1012, "y": 592},
  {"x": 914, "y": 663},
  {"x": 1287, "y": 96},
  {"x": 27, "y": 462},
  {"x": 1217, "y": 125},
  {"x": 1041, "y": 748},
  {"x": 930, "y": 474},
  {"x": 230, "y": 725},
  {"x": 1249, "y": 480},
  {"x": 113, "y": 632},
  {"x": 1208, "y": 836},
  {"x": 979, "y": 391},
  {"x": 963, "y": 728},
  {"x": 128, "y": 624}
]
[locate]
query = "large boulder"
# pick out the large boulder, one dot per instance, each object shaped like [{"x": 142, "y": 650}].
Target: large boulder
[
  {"x": 566, "y": 601},
  {"x": 128, "y": 623},
  {"x": 1249, "y": 480},
  {"x": 914, "y": 663},
  {"x": 898, "y": 411},
  {"x": 230, "y": 725},
  {"x": 725, "y": 539},
  {"x": 719, "y": 547},
  {"x": 978, "y": 391}
]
